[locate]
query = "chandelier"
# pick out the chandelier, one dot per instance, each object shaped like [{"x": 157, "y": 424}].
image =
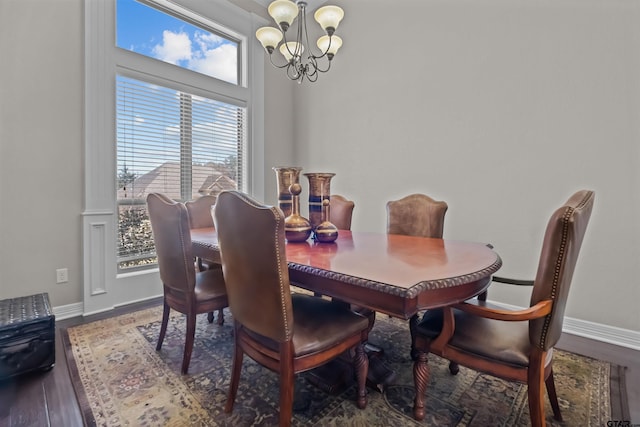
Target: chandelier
[{"x": 300, "y": 65}]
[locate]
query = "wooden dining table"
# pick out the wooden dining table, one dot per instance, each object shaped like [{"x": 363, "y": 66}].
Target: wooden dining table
[{"x": 393, "y": 274}]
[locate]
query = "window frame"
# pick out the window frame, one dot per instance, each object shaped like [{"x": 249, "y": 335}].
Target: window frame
[{"x": 104, "y": 286}]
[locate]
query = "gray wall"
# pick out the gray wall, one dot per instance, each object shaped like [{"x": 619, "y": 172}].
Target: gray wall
[
  {"x": 41, "y": 148},
  {"x": 501, "y": 108}
]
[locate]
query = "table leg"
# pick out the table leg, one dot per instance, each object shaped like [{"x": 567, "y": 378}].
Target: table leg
[
  {"x": 362, "y": 365},
  {"x": 420, "y": 378}
]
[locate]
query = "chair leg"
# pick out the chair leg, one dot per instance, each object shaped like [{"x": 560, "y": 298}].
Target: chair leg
[
  {"x": 188, "y": 343},
  {"x": 210, "y": 317},
  {"x": 236, "y": 367},
  {"x": 220, "y": 317},
  {"x": 454, "y": 368},
  {"x": 361, "y": 366},
  {"x": 287, "y": 378},
  {"x": 535, "y": 384},
  {"x": 163, "y": 327},
  {"x": 553, "y": 397}
]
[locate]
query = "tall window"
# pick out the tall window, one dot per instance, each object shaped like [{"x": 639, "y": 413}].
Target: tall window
[{"x": 170, "y": 139}]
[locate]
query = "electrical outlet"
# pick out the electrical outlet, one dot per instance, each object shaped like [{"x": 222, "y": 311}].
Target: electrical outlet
[{"x": 62, "y": 275}]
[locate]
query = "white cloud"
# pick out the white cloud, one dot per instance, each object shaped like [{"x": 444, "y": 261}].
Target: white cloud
[
  {"x": 207, "y": 41},
  {"x": 175, "y": 47},
  {"x": 221, "y": 62}
]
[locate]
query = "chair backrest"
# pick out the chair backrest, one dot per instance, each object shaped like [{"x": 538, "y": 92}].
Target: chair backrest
[
  {"x": 560, "y": 248},
  {"x": 416, "y": 215},
  {"x": 200, "y": 211},
  {"x": 170, "y": 227},
  {"x": 254, "y": 264},
  {"x": 341, "y": 211}
]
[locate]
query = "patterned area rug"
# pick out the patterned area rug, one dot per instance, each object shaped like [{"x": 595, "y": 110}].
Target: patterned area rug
[{"x": 120, "y": 380}]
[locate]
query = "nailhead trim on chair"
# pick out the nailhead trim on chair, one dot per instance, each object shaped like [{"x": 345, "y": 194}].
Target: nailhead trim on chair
[
  {"x": 277, "y": 216},
  {"x": 559, "y": 261}
]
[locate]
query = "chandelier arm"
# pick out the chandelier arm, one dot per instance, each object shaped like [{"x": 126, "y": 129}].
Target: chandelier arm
[
  {"x": 309, "y": 48},
  {"x": 276, "y": 65},
  {"x": 320, "y": 69},
  {"x": 312, "y": 67},
  {"x": 295, "y": 75},
  {"x": 312, "y": 78}
]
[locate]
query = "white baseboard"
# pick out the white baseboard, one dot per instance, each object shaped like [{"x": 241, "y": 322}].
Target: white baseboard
[
  {"x": 68, "y": 311},
  {"x": 77, "y": 309},
  {"x": 595, "y": 331},
  {"x": 605, "y": 333}
]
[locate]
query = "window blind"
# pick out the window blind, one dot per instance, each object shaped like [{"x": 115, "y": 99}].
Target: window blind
[{"x": 171, "y": 142}]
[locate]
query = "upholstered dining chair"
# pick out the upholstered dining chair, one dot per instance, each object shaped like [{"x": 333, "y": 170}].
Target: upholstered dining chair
[
  {"x": 340, "y": 215},
  {"x": 200, "y": 216},
  {"x": 513, "y": 345},
  {"x": 341, "y": 211},
  {"x": 287, "y": 333},
  {"x": 416, "y": 215},
  {"x": 185, "y": 290}
]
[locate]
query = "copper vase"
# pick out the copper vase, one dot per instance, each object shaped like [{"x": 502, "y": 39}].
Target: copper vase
[
  {"x": 319, "y": 190},
  {"x": 285, "y": 176}
]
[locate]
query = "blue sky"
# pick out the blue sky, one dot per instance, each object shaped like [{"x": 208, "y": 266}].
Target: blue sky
[{"x": 150, "y": 32}]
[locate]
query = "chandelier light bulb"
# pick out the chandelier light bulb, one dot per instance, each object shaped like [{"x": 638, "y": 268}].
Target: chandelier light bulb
[
  {"x": 291, "y": 49},
  {"x": 329, "y": 17},
  {"x": 283, "y": 12},
  {"x": 329, "y": 45},
  {"x": 269, "y": 37}
]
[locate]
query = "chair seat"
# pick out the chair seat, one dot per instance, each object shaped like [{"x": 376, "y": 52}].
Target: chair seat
[
  {"x": 507, "y": 342},
  {"x": 210, "y": 285},
  {"x": 318, "y": 324}
]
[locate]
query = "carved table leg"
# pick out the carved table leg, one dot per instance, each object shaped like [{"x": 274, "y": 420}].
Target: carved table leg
[
  {"x": 420, "y": 378},
  {"x": 361, "y": 362}
]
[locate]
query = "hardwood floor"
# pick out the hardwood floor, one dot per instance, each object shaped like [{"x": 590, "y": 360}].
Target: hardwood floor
[{"x": 48, "y": 398}]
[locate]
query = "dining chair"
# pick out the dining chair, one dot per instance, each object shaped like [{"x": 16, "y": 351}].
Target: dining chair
[
  {"x": 416, "y": 215},
  {"x": 286, "y": 333},
  {"x": 340, "y": 214},
  {"x": 201, "y": 216},
  {"x": 341, "y": 211},
  {"x": 185, "y": 290},
  {"x": 516, "y": 345}
]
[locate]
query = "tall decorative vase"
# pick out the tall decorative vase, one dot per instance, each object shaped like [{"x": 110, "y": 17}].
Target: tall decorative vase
[
  {"x": 285, "y": 176},
  {"x": 319, "y": 190}
]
